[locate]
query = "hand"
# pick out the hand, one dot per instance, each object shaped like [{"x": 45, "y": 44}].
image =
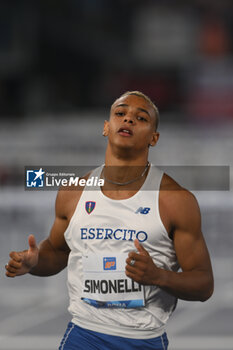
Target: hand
[
  {"x": 144, "y": 271},
  {"x": 22, "y": 262}
]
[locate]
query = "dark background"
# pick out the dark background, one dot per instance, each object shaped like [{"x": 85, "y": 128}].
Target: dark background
[{"x": 63, "y": 56}]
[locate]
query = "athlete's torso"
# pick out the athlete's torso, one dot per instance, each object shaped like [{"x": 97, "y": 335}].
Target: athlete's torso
[{"x": 100, "y": 234}]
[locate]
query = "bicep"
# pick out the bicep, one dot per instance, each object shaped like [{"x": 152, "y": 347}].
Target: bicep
[
  {"x": 189, "y": 243},
  {"x": 66, "y": 203},
  {"x": 191, "y": 250},
  {"x": 56, "y": 237}
]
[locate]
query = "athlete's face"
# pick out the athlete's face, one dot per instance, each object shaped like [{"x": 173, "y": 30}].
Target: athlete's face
[{"x": 131, "y": 123}]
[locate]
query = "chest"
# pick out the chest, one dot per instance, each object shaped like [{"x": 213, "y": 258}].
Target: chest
[{"x": 104, "y": 224}]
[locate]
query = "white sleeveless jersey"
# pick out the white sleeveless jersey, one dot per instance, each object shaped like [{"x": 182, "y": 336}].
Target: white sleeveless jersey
[{"x": 100, "y": 235}]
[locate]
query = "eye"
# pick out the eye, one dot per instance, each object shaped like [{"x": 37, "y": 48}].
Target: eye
[
  {"x": 142, "y": 118},
  {"x": 120, "y": 114}
]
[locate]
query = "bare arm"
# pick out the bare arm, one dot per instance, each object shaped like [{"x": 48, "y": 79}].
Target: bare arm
[
  {"x": 195, "y": 281},
  {"x": 53, "y": 251},
  {"x": 52, "y": 254}
]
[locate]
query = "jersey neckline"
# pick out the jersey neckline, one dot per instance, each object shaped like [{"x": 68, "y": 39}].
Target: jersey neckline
[{"x": 124, "y": 199}]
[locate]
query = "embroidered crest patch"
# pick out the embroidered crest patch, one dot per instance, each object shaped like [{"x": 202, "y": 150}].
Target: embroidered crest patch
[{"x": 90, "y": 206}]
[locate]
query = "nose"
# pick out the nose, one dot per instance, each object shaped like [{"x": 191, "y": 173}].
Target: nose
[{"x": 128, "y": 119}]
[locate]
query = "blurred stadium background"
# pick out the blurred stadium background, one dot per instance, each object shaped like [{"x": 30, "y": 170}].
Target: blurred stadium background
[{"x": 62, "y": 63}]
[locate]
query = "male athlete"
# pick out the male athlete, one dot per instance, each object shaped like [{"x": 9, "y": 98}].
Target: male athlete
[{"x": 132, "y": 247}]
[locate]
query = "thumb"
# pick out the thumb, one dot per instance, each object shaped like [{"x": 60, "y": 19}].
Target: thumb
[
  {"x": 140, "y": 248},
  {"x": 32, "y": 243}
]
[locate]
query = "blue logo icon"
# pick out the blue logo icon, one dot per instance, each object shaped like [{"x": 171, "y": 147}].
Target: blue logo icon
[
  {"x": 90, "y": 206},
  {"x": 109, "y": 263},
  {"x": 142, "y": 210},
  {"x": 35, "y": 178}
]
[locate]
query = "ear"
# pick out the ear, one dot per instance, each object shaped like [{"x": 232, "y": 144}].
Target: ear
[
  {"x": 106, "y": 128},
  {"x": 154, "y": 139}
]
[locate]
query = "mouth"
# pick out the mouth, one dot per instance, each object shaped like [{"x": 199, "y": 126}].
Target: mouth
[{"x": 125, "y": 132}]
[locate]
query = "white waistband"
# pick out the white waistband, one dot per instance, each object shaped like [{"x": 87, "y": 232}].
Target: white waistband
[{"x": 134, "y": 333}]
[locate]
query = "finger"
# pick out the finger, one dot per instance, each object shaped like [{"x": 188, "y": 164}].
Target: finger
[
  {"x": 140, "y": 248},
  {"x": 133, "y": 276},
  {"x": 14, "y": 264},
  {"x": 16, "y": 256},
  {"x": 135, "y": 256},
  {"x": 32, "y": 243},
  {"x": 129, "y": 261},
  {"x": 131, "y": 269},
  {"x": 10, "y": 269},
  {"x": 9, "y": 274},
  {"x": 138, "y": 266}
]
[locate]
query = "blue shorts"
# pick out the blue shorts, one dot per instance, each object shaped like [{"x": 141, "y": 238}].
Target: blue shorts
[{"x": 77, "y": 338}]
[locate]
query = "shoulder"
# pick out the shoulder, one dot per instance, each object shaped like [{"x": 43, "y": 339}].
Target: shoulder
[
  {"x": 174, "y": 191},
  {"x": 180, "y": 204},
  {"x": 68, "y": 198}
]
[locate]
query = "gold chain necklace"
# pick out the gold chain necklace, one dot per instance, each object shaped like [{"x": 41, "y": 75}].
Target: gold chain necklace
[{"x": 128, "y": 182}]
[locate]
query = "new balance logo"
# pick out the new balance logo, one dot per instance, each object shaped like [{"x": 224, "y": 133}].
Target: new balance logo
[{"x": 142, "y": 210}]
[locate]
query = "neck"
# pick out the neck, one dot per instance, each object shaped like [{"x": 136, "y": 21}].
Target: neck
[
  {"x": 124, "y": 169},
  {"x": 125, "y": 158}
]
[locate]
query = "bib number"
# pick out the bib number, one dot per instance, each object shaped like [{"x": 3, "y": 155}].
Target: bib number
[{"x": 106, "y": 285}]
